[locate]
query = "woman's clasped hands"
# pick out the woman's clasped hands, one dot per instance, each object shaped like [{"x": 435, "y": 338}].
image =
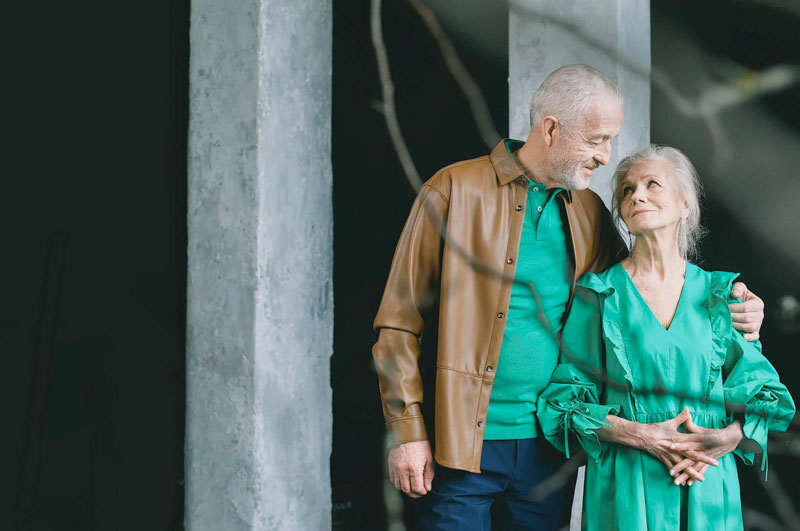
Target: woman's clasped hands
[{"x": 687, "y": 456}]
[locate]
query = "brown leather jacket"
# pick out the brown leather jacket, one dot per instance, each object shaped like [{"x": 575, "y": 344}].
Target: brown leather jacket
[{"x": 481, "y": 205}]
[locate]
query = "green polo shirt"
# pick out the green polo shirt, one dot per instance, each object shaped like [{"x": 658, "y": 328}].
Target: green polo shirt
[{"x": 529, "y": 353}]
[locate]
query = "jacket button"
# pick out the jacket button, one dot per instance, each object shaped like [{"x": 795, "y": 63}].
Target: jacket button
[
  {"x": 480, "y": 424},
  {"x": 510, "y": 261},
  {"x": 519, "y": 207},
  {"x": 489, "y": 368},
  {"x": 500, "y": 315}
]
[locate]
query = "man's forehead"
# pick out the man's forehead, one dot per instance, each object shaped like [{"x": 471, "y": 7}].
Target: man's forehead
[{"x": 604, "y": 113}]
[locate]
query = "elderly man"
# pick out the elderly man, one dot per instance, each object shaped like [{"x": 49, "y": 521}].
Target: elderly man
[{"x": 499, "y": 241}]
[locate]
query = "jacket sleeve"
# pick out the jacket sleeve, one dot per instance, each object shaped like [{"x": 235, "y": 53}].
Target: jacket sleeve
[
  {"x": 754, "y": 392},
  {"x": 570, "y": 402},
  {"x": 412, "y": 286}
]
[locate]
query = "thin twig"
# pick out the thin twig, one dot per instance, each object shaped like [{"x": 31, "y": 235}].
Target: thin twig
[
  {"x": 783, "y": 504},
  {"x": 475, "y": 98},
  {"x": 389, "y": 110}
]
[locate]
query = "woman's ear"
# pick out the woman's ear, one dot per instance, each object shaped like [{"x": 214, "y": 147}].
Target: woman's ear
[{"x": 686, "y": 210}]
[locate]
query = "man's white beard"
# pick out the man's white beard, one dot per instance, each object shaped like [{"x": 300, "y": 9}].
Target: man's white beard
[{"x": 569, "y": 175}]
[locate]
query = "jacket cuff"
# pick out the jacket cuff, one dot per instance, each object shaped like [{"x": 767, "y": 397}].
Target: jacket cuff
[{"x": 405, "y": 429}]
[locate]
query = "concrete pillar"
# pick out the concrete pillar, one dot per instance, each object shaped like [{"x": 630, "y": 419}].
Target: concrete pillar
[
  {"x": 260, "y": 306},
  {"x": 610, "y": 35}
]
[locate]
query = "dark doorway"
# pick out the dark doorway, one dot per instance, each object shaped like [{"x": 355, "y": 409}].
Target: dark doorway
[{"x": 92, "y": 309}]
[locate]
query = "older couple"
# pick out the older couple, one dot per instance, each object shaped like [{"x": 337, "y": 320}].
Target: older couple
[{"x": 648, "y": 341}]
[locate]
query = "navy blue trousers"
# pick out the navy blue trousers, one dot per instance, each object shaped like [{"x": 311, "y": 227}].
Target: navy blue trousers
[{"x": 510, "y": 470}]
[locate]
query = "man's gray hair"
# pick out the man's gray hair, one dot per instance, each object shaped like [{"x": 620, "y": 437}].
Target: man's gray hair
[
  {"x": 680, "y": 169},
  {"x": 567, "y": 94}
]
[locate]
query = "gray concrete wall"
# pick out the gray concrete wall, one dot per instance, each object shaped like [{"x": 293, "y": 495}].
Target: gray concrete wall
[
  {"x": 610, "y": 35},
  {"x": 260, "y": 306}
]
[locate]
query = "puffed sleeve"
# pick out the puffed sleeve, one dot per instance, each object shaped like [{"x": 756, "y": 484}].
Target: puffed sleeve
[
  {"x": 755, "y": 394},
  {"x": 570, "y": 402}
]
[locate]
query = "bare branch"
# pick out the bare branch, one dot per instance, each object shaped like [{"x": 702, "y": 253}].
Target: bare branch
[
  {"x": 475, "y": 98},
  {"x": 559, "y": 479},
  {"x": 389, "y": 110},
  {"x": 392, "y": 499},
  {"x": 783, "y": 504},
  {"x": 708, "y": 107}
]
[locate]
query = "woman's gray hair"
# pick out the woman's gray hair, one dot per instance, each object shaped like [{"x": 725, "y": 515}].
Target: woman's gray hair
[
  {"x": 567, "y": 94},
  {"x": 682, "y": 170}
]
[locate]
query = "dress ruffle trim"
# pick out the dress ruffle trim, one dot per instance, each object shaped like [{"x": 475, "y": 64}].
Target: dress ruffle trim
[
  {"x": 611, "y": 318},
  {"x": 721, "y": 329}
]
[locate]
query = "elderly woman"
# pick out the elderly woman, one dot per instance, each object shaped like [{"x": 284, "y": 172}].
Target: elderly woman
[{"x": 648, "y": 348}]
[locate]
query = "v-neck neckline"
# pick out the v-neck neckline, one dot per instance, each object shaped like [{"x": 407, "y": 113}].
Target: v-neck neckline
[{"x": 650, "y": 310}]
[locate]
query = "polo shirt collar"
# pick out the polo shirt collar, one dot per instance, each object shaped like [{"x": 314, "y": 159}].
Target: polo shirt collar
[{"x": 508, "y": 170}]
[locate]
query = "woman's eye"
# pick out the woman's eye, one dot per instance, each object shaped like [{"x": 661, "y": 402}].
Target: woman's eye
[
  {"x": 652, "y": 184},
  {"x": 626, "y": 190}
]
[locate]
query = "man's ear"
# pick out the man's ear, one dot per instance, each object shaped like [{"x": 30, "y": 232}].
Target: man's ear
[{"x": 548, "y": 126}]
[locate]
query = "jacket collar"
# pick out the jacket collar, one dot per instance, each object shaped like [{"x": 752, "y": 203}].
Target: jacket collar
[{"x": 508, "y": 170}]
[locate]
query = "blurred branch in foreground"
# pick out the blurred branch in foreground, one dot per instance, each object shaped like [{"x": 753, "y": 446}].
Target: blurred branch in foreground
[
  {"x": 708, "y": 105},
  {"x": 475, "y": 98}
]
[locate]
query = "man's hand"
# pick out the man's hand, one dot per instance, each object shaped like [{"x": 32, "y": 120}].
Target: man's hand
[
  {"x": 703, "y": 443},
  {"x": 748, "y": 315},
  {"x": 411, "y": 468}
]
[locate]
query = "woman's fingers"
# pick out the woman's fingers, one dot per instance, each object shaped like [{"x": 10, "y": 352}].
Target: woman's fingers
[
  {"x": 700, "y": 450},
  {"x": 692, "y": 427},
  {"x": 689, "y": 474},
  {"x": 680, "y": 466},
  {"x": 680, "y": 418},
  {"x": 669, "y": 459},
  {"x": 701, "y": 468},
  {"x": 702, "y": 457}
]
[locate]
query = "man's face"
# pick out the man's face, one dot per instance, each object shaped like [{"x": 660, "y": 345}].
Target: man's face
[{"x": 578, "y": 150}]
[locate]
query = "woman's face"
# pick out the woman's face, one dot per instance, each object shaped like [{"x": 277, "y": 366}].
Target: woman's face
[{"x": 650, "y": 198}]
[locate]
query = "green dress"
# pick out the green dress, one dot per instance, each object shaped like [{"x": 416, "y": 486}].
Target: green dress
[{"x": 699, "y": 362}]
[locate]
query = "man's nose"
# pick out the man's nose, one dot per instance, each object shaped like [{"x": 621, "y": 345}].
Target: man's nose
[{"x": 603, "y": 155}]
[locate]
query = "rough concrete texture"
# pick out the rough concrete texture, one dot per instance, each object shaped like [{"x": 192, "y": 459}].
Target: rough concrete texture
[
  {"x": 610, "y": 35},
  {"x": 260, "y": 306}
]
